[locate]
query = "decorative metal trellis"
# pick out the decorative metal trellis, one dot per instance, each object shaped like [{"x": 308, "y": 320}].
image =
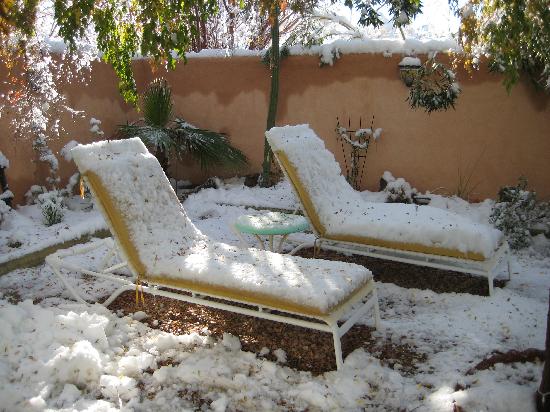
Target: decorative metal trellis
[{"x": 355, "y": 145}]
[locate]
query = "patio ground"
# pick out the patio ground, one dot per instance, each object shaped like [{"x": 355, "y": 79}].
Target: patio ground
[{"x": 55, "y": 354}]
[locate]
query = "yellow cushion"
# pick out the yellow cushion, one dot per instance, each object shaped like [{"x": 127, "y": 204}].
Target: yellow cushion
[
  {"x": 303, "y": 194},
  {"x": 412, "y": 247},
  {"x": 320, "y": 228},
  {"x": 120, "y": 231},
  {"x": 116, "y": 222},
  {"x": 260, "y": 299}
]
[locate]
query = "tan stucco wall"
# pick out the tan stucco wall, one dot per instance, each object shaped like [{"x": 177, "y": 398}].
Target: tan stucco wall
[
  {"x": 510, "y": 134},
  {"x": 97, "y": 95}
]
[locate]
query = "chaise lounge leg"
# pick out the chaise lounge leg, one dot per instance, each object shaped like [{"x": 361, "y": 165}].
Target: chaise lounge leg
[
  {"x": 63, "y": 279},
  {"x": 509, "y": 262},
  {"x": 301, "y": 246},
  {"x": 109, "y": 257},
  {"x": 490, "y": 277},
  {"x": 116, "y": 293},
  {"x": 337, "y": 346}
]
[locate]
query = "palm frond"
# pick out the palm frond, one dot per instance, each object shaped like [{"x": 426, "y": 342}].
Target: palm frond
[
  {"x": 209, "y": 148},
  {"x": 157, "y": 104},
  {"x": 155, "y": 137}
]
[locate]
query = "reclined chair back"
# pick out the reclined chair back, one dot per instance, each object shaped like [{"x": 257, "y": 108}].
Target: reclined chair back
[
  {"x": 311, "y": 187},
  {"x": 324, "y": 193},
  {"x": 135, "y": 197}
]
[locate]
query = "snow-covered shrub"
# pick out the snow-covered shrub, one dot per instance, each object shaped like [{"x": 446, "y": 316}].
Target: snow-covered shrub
[
  {"x": 95, "y": 127},
  {"x": 6, "y": 196},
  {"x": 514, "y": 213},
  {"x": 398, "y": 190},
  {"x": 4, "y": 209},
  {"x": 542, "y": 218},
  {"x": 31, "y": 197},
  {"x": 52, "y": 206},
  {"x": 15, "y": 239},
  {"x": 46, "y": 156}
]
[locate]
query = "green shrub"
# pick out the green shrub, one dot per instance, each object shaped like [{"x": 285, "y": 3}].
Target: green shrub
[
  {"x": 52, "y": 206},
  {"x": 514, "y": 213}
]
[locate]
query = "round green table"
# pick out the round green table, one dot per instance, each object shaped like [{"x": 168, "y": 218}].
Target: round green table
[{"x": 270, "y": 224}]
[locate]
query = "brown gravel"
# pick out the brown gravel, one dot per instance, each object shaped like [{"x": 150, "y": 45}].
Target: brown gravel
[
  {"x": 306, "y": 349},
  {"x": 412, "y": 276},
  {"x": 512, "y": 356}
]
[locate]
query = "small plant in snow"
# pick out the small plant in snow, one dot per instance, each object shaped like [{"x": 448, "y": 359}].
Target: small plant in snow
[
  {"x": 6, "y": 196},
  {"x": 514, "y": 213},
  {"x": 4, "y": 209},
  {"x": 31, "y": 196},
  {"x": 95, "y": 127},
  {"x": 15, "y": 239},
  {"x": 398, "y": 190},
  {"x": 52, "y": 206}
]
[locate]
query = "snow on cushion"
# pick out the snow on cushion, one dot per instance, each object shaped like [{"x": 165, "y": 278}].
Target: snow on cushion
[
  {"x": 344, "y": 215},
  {"x": 86, "y": 154},
  {"x": 162, "y": 244}
]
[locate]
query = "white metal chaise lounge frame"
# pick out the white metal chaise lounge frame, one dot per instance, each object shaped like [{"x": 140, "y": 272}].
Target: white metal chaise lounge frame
[
  {"x": 485, "y": 268},
  {"x": 353, "y": 307}
]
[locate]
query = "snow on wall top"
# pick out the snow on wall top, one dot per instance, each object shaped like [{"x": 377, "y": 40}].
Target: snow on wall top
[
  {"x": 168, "y": 244},
  {"x": 328, "y": 51},
  {"x": 387, "y": 46},
  {"x": 341, "y": 46},
  {"x": 344, "y": 212}
]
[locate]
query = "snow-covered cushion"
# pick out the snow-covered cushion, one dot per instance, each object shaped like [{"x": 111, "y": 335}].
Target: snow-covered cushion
[
  {"x": 141, "y": 207},
  {"x": 344, "y": 215}
]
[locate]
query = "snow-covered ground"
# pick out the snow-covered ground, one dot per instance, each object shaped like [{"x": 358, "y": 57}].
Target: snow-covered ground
[
  {"x": 24, "y": 232},
  {"x": 58, "y": 355}
]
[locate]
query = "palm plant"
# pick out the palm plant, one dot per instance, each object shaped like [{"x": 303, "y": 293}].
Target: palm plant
[{"x": 168, "y": 136}]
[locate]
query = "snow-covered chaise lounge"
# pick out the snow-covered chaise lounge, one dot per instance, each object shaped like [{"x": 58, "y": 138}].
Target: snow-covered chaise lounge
[
  {"x": 167, "y": 255},
  {"x": 343, "y": 221}
]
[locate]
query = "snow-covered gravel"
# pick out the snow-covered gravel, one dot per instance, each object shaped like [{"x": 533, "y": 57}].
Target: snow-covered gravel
[{"x": 58, "y": 355}]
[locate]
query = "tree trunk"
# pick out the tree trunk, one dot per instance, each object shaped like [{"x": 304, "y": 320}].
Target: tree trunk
[
  {"x": 273, "y": 97},
  {"x": 543, "y": 401}
]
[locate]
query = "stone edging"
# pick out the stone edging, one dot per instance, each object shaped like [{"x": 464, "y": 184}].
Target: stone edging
[{"x": 37, "y": 258}]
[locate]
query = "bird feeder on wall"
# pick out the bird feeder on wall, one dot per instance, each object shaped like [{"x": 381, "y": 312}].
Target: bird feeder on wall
[{"x": 409, "y": 68}]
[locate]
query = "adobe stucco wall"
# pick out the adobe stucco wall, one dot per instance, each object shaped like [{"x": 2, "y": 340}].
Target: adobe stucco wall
[
  {"x": 510, "y": 134},
  {"x": 98, "y": 97}
]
